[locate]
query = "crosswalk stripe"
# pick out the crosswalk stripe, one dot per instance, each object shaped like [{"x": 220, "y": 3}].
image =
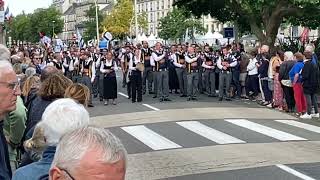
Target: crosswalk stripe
[
  {"x": 301, "y": 125},
  {"x": 294, "y": 172},
  {"x": 280, "y": 135},
  {"x": 150, "y": 138},
  {"x": 209, "y": 133}
]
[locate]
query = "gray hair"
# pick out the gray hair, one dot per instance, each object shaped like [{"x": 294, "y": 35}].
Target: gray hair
[
  {"x": 30, "y": 71},
  {"x": 5, "y": 67},
  {"x": 73, "y": 146},
  {"x": 288, "y": 55},
  {"x": 60, "y": 117},
  {"x": 4, "y": 53}
]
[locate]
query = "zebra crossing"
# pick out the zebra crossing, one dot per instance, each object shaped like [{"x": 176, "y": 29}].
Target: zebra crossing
[{"x": 187, "y": 134}]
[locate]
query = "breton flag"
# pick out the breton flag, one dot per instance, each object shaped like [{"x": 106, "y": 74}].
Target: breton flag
[
  {"x": 305, "y": 35},
  {"x": 7, "y": 14},
  {"x": 81, "y": 43}
]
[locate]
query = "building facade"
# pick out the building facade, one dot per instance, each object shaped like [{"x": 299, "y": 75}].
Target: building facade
[{"x": 157, "y": 9}]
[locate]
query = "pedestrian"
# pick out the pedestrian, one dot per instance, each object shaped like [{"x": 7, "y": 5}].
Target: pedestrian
[
  {"x": 192, "y": 73},
  {"x": 310, "y": 83},
  {"x": 135, "y": 75},
  {"x": 173, "y": 78},
  {"x": 252, "y": 83},
  {"x": 296, "y": 79},
  {"x": 286, "y": 83},
  {"x": 277, "y": 89},
  {"x": 9, "y": 90}
]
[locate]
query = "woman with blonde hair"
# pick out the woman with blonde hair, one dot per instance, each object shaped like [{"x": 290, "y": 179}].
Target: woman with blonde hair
[
  {"x": 31, "y": 84},
  {"x": 78, "y": 92}
]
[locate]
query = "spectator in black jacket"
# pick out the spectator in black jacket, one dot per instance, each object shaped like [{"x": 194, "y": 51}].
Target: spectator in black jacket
[
  {"x": 310, "y": 84},
  {"x": 285, "y": 81}
]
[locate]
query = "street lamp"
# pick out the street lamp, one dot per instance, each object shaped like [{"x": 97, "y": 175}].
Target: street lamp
[
  {"x": 53, "y": 28},
  {"x": 97, "y": 21}
]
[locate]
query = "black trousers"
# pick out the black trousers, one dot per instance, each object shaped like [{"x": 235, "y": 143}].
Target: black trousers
[
  {"x": 252, "y": 84},
  {"x": 289, "y": 97},
  {"x": 136, "y": 86},
  {"x": 236, "y": 82}
]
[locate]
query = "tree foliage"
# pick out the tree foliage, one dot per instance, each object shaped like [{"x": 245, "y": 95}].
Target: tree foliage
[
  {"x": 119, "y": 20},
  {"x": 26, "y": 27},
  {"x": 174, "y": 25},
  {"x": 143, "y": 21},
  {"x": 261, "y": 17},
  {"x": 90, "y": 25}
]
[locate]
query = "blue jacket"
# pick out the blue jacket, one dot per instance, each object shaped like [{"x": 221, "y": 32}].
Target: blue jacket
[
  {"x": 296, "y": 69},
  {"x": 37, "y": 169}
]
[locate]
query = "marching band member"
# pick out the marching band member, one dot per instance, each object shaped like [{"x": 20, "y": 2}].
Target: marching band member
[
  {"x": 209, "y": 65},
  {"x": 225, "y": 63},
  {"x": 192, "y": 70},
  {"x": 180, "y": 64},
  {"x": 126, "y": 58},
  {"x": 135, "y": 77},
  {"x": 161, "y": 66},
  {"x": 173, "y": 79},
  {"x": 67, "y": 64},
  {"x": 108, "y": 71},
  {"x": 88, "y": 71},
  {"x": 147, "y": 74}
]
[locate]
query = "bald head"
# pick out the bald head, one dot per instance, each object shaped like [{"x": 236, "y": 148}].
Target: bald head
[{"x": 47, "y": 71}]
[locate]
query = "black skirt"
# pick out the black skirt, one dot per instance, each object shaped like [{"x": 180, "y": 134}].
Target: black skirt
[
  {"x": 110, "y": 87},
  {"x": 173, "y": 78}
]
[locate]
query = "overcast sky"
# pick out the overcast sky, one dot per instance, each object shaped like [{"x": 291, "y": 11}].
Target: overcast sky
[{"x": 17, "y": 6}]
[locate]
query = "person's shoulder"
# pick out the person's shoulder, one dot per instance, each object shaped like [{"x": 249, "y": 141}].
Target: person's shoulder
[{"x": 31, "y": 171}]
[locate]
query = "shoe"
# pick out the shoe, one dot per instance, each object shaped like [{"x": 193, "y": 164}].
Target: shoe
[
  {"x": 151, "y": 92},
  {"x": 167, "y": 99},
  {"x": 95, "y": 96},
  {"x": 189, "y": 99},
  {"x": 114, "y": 103},
  {"x": 183, "y": 96},
  {"x": 194, "y": 99},
  {"x": 176, "y": 92},
  {"x": 220, "y": 98},
  {"x": 228, "y": 99},
  {"x": 129, "y": 97},
  {"x": 154, "y": 97},
  {"x": 101, "y": 99},
  {"x": 212, "y": 95},
  {"x": 139, "y": 100},
  {"x": 133, "y": 101},
  {"x": 161, "y": 99},
  {"x": 315, "y": 115},
  {"x": 266, "y": 104},
  {"x": 144, "y": 93},
  {"x": 90, "y": 105},
  {"x": 306, "y": 116},
  {"x": 269, "y": 106},
  {"x": 106, "y": 103}
]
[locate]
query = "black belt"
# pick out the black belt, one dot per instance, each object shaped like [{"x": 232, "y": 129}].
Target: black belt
[{"x": 165, "y": 69}]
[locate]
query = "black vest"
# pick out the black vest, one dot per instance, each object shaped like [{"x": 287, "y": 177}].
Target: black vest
[
  {"x": 195, "y": 64},
  {"x": 158, "y": 64},
  {"x": 113, "y": 73},
  {"x": 146, "y": 53}
]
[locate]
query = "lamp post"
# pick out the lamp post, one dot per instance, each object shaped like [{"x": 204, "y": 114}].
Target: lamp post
[
  {"x": 53, "y": 28},
  {"x": 136, "y": 19},
  {"x": 97, "y": 21}
]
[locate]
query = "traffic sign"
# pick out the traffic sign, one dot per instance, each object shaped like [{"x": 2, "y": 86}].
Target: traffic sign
[{"x": 228, "y": 32}]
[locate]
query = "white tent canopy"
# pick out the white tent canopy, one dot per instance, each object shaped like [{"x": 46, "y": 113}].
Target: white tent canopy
[{"x": 217, "y": 35}]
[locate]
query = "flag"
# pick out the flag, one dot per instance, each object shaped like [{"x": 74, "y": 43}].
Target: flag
[
  {"x": 81, "y": 43},
  {"x": 7, "y": 14},
  {"x": 305, "y": 35}
]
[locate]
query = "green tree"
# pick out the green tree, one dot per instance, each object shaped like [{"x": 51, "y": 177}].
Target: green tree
[
  {"x": 90, "y": 25},
  {"x": 174, "y": 25},
  {"x": 26, "y": 27},
  {"x": 262, "y": 17},
  {"x": 119, "y": 20},
  {"x": 143, "y": 21}
]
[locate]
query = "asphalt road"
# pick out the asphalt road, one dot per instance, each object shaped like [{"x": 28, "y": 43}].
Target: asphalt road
[{"x": 207, "y": 139}]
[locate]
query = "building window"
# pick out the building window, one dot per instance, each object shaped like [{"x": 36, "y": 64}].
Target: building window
[
  {"x": 158, "y": 14},
  {"x": 212, "y": 27},
  {"x": 150, "y": 6},
  {"x": 158, "y": 5},
  {"x": 207, "y": 27},
  {"x": 162, "y": 13},
  {"x": 151, "y": 17}
]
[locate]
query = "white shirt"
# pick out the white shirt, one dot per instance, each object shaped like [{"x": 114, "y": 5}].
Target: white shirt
[{"x": 252, "y": 68}]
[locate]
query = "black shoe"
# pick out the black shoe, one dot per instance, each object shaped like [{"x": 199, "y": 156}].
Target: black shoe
[
  {"x": 167, "y": 99},
  {"x": 228, "y": 99},
  {"x": 144, "y": 93},
  {"x": 194, "y": 99},
  {"x": 211, "y": 95},
  {"x": 151, "y": 92},
  {"x": 176, "y": 92},
  {"x": 220, "y": 98},
  {"x": 90, "y": 105},
  {"x": 129, "y": 97},
  {"x": 101, "y": 99},
  {"x": 133, "y": 101},
  {"x": 95, "y": 96},
  {"x": 183, "y": 96},
  {"x": 139, "y": 100},
  {"x": 161, "y": 99},
  {"x": 154, "y": 97},
  {"x": 189, "y": 99}
]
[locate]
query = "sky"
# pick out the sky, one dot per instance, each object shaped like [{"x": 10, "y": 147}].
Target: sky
[{"x": 17, "y": 6}]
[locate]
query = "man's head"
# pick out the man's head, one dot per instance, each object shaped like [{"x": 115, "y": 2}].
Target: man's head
[
  {"x": 36, "y": 59},
  {"x": 225, "y": 51},
  {"x": 89, "y": 154},
  {"x": 47, "y": 71},
  {"x": 158, "y": 46},
  {"x": 9, "y": 88},
  {"x": 190, "y": 50},
  {"x": 145, "y": 44},
  {"x": 264, "y": 49}
]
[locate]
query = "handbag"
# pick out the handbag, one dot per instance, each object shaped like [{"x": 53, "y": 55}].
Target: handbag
[{"x": 287, "y": 83}]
